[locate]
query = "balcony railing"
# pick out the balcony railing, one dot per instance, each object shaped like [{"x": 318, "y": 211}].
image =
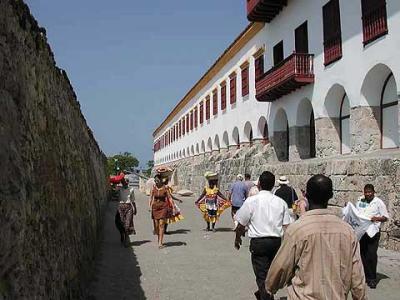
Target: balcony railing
[
  {"x": 375, "y": 23},
  {"x": 264, "y": 10},
  {"x": 290, "y": 74}
]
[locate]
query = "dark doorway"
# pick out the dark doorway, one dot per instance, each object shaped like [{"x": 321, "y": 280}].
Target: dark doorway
[
  {"x": 301, "y": 38},
  {"x": 312, "y": 135},
  {"x": 287, "y": 141},
  {"x": 278, "y": 53}
]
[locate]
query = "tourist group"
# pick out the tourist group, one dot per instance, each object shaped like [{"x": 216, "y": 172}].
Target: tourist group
[{"x": 294, "y": 241}]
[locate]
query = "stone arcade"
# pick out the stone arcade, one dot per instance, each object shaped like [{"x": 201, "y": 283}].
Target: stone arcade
[{"x": 303, "y": 94}]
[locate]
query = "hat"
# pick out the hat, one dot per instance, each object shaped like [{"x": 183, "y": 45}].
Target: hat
[
  {"x": 240, "y": 177},
  {"x": 283, "y": 180},
  {"x": 211, "y": 175},
  {"x": 164, "y": 171}
]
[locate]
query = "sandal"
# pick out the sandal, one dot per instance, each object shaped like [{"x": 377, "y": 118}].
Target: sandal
[{"x": 161, "y": 246}]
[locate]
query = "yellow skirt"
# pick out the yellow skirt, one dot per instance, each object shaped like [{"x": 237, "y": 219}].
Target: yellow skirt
[{"x": 213, "y": 219}]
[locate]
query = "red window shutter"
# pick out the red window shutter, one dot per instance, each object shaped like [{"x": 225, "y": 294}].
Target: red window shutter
[
  {"x": 208, "y": 108},
  {"x": 191, "y": 120},
  {"x": 232, "y": 89},
  {"x": 183, "y": 126},
  {"x": 201, "y": 112},
  {"x": 259, "y": 66},
  {"x": 245, "y": 81},
  {"x": 215, "y": 102},
  {"x": 187, "y": 123},
  {"x": 223, "y": 96},
  {"x": 374, "y": 19},
  {"x": 195, "y": 117},
  {"x": 332, "y": 32}
]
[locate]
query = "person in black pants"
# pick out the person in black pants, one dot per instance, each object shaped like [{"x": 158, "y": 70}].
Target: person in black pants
[
  {"x": 265, "y": 215},
  {"x": 375, "y": 209}
]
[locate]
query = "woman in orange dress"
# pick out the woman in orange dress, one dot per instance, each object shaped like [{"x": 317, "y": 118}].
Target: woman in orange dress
[{"x": 163, "y": 208}]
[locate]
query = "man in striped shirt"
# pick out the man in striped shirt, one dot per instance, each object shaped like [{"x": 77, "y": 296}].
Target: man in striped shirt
[{"x": 320, "y": 256}]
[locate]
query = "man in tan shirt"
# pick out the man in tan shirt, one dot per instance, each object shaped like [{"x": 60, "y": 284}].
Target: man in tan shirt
[{"x": 319, "y": 257}]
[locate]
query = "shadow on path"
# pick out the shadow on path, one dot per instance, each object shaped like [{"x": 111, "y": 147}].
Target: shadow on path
[
  {"x": 174, "y": 244},
  {"x": 223, "y": 229},
  {"x": 380, "y": 276},
  {"x": 117, "y": 268},
  {"x": 139, "y": 243},
  {"x": 178, "y": 231}
]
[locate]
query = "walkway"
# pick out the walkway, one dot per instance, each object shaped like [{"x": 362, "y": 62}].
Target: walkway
[{"x": 187, "y": 267}]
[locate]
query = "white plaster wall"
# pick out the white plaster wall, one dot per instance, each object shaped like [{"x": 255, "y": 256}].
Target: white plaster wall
[
  {"x": 246, "y": 109},
  {"x": 350, "y": 72}
]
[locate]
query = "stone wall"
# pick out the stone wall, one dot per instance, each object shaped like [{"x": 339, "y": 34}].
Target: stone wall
[
  {"x": 52, "y": 173},
  {"x": 349, "y": 175}
]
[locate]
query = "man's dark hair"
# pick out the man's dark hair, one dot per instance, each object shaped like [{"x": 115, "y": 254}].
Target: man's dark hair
[
  {"x": 267, "y": 180},
  {"x": 369, "y": 187},
  {"x": 247, "y": 176},
  {"x": 319, "y": 190}
]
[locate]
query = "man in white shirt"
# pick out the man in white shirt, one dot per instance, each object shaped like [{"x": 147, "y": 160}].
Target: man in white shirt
[
  {"x": 266, "y": 216},
  {"x": 375, "y": 209}
]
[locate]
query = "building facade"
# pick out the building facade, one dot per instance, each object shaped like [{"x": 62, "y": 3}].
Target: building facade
[
  {"x": 308, "y": 87},
  {"x": 316, "y": 78}
]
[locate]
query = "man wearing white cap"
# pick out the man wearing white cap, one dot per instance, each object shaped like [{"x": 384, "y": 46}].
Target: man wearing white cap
[{"x": 286, "y": 192}]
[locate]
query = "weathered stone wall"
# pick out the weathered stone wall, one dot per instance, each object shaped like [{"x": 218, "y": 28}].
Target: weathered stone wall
[
  {"x": 349, "y": 175},
  {"x": 52, "y": 173}
]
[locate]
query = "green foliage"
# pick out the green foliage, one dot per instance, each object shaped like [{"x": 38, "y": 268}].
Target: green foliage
[
  {"x": 150, "y": 166},
  {"x": 123, "y": 161}
]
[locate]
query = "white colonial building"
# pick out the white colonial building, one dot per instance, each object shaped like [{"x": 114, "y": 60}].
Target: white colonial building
[{"x": 316, "y": 78}]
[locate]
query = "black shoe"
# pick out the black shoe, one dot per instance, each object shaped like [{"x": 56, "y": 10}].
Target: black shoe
[{"x": 372, "y": 283}]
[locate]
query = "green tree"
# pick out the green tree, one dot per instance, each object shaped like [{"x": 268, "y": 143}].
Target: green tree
[
  {"x": 150, "y": 166},
  {"x": 123, "y": 161}
]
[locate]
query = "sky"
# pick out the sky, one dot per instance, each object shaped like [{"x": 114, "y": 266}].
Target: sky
[{"x": 130, "y": 62}]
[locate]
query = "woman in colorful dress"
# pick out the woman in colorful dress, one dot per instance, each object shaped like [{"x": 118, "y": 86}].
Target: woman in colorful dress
[
  {"x": 174, "y": 211},
  {"x": 212, "y": 202},
  {"x": 163, "y": 208}
]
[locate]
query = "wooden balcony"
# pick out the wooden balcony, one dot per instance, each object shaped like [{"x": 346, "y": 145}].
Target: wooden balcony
[
  {"x": 292, "y": 73},
  {"x": 264, "y": 10}
]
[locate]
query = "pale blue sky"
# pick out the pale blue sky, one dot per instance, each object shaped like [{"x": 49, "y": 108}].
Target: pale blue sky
[{"x": 131, "y": 61}]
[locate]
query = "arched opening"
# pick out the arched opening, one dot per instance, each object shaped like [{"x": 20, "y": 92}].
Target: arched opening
[
  {"x": 225, "y": 140},
  {"x": 344, "y": 119},
  {"x": 192, "y": 150},
  {"x": 334, "y": 131},
  {"x": 203, "y": 147},
  {"x": 216, "y": 143},
  {"x": 248, "y": 133},
  {"x": 235, "y": 137},
  {"x": 263, "y": 129},
  {"x": 375, "y": 116},
  {"x": 197, "y": 149},
  {"x": 389, "y": 114},
  {"x": 209, "y": 145},
  {"x": 305, "y": 130},
  {"x": 281, "y": 135}
]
